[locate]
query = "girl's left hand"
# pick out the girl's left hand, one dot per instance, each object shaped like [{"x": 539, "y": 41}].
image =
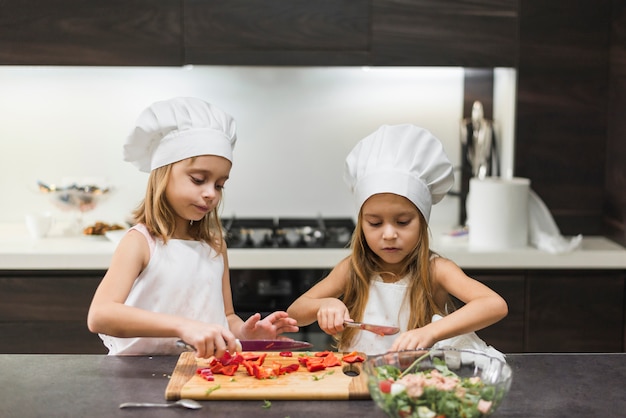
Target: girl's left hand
[
  {"x": 269, "y": 327},
  {"x": 415, "y": 338}
]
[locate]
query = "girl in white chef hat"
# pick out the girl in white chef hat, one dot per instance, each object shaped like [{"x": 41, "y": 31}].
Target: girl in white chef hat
[
  {"x": 392, "y": 277},
  {"x": 168, "y": 277}
]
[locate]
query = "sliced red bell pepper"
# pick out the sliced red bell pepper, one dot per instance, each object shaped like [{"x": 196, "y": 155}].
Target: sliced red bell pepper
[
  {"x": 331, "y": 360},
  {"x": 286, "y": 354},
  {"x": 230, "y": 369},
  {"x": 315, "y": 366},
  {"x": 250, "y": 356},
  {"x": 353, "y": 357},
  {"x": 322, "y": 353},
  {"x": 290, "y": 368}
]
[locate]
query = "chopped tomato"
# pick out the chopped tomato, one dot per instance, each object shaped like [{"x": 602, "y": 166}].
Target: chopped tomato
[{"x": 384, "y": 386}]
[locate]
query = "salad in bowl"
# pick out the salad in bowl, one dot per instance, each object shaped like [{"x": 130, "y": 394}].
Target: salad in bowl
[{"x": 437, "y": 383}]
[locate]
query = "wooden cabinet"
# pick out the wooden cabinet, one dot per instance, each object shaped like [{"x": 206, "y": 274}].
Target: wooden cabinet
[
  {"x": 46, "y": 312},
  {"x": 277, "y": 32},
  {"x": 558, "y": 311},
  {"x": 549, "y": 310},
  {"x": 575, "y": 311},
  {"x": 506, "y": 335},
  {"x": 259, "y": 32},
  {"x": 75, "y": 32},
  {"x": 451, "y": 33}
]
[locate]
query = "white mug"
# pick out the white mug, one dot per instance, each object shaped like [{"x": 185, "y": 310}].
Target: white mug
[{"x": 39, "y": 224}]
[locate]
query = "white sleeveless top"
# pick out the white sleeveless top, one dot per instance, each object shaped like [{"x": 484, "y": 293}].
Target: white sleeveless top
[
  {"x": 387, "y": 306},
  {"x": 183, "y": 277}
]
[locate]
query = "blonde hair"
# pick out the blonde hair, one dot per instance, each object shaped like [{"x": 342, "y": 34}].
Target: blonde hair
[
  {"x": 159, "y": 217},
  {"x": 364, "y": 264}
]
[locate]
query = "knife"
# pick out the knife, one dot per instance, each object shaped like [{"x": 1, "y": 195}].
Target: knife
[
  {"x": 376, "y": 329},
  {"x": 260, "y": 345}
]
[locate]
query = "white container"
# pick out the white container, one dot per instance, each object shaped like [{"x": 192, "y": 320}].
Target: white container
[
  {"x": 39, "y": 224},
  {"x": 497, "y": 213}
]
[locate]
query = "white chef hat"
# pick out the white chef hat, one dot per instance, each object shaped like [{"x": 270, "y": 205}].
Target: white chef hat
[
  {"x": 173, "y": 130},
  {"x": 401, "y": 159}
]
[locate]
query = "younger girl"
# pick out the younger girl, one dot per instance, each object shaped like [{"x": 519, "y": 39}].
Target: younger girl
[
  {"x": 392, "y": 277},
  {"x": 168, "y": 277}
]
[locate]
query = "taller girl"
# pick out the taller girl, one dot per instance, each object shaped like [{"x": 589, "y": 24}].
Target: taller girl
[{"x": 168, "y": 277}]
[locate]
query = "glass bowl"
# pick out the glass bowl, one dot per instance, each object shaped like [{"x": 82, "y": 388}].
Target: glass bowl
[{"x": 437, "y": 382}]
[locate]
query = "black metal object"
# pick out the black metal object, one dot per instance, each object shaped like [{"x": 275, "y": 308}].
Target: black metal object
[{"x": 288, "y": 232}]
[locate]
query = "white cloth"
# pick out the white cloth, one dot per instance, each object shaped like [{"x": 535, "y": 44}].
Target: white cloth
[
  {"x": 469, "y": 341},
  {"x": 173, "y": 130},
  {"x": 543, "y": 231},
  {"x": 183, "y": 277},
  {"x": 384, "y": 307},
  {"x": 401, "y": 159}
]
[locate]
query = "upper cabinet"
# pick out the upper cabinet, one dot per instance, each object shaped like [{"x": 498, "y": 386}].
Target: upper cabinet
[
  {"x": 276, "y": 32},
  {"x": 78, "y": 32},
  {"x": 479, "y": 33}
]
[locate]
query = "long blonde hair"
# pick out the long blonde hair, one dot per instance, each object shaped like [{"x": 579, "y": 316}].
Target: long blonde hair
[
  {"x": 364, "y": 264},
  {"x": 159, "y": 217}
]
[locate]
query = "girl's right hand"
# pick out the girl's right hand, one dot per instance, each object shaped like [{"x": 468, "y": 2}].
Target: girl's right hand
[
  {"x": 331, "y": 315},
  {"x": 209, "y": 339}
]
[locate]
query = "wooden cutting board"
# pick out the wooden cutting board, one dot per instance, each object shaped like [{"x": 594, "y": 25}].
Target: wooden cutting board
[{"x": 329, "y": 384}]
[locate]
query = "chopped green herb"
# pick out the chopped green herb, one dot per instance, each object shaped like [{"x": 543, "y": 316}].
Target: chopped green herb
[
  {"x": 267, "y": 405},
  {"x": 214, "y": 388},
  {"x": 320, "y": 377}
]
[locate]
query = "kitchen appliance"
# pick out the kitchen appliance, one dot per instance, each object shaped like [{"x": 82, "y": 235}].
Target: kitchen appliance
[
  {"x": 288, "y": 232},
  {"x": 268, "y": 290}
]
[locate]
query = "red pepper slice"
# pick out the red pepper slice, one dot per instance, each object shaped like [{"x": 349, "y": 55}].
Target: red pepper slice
[
  {"x": 353, "y": 357},
  {"x": 290, "y": 368},
  {"x": 331, "y": 360},
  {"x": 230, "y": 369},
  {"x": 262, "y": 358},
  {"x": 286, "y": 354},
  {"x": 322, "y": 353},
  {"x": 315, "y": 367},
  {"x": 250, "y": 356}
]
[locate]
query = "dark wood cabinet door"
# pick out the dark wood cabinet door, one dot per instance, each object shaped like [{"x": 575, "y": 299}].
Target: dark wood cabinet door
[
  {"x": 507, "y": 335},
  {"x": 480, "y": 33},
  {"x": 46, "y": 312},
  {"x": 102, "y": 33},
  {"x": 563, "y": 90},
  {"x": 575, "y": 311},
  {"x": 277, "y": 32}
]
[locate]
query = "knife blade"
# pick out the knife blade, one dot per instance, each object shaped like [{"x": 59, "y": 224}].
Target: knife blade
[
  {"x": 376, "y": 329},
  {"x": 261, "y": 345}
]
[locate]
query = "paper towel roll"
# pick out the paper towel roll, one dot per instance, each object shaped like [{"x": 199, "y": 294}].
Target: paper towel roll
[{"x": 497, "y": 213}]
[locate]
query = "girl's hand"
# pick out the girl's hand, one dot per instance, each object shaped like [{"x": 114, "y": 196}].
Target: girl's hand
[
  {"x": 331, "y": 315},
  {"x": 209, "y": 339},
  {"x": 269, "y": 327},
  {"x": 415, "y": 338}
]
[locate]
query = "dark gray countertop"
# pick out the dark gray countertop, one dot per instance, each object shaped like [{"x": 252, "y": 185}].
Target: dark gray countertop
[{"x": 544, "y": 385}]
